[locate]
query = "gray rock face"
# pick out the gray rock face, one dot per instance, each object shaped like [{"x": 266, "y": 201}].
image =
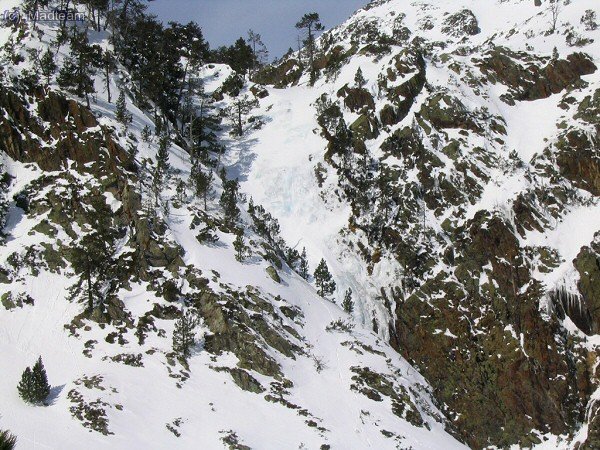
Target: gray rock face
[{"x": 460, "y": 24}]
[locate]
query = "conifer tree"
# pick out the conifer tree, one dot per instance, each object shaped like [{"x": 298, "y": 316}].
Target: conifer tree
[
  {"x": 201, "y": 181},
  {"x": 4, "y": 182},
  {"x": 146, "y": 134},
  {"x": 122, "y": 115},
  {"x": 76, "y": 74},
  {"x": 324, "y": 280},
  {"x": 40, "y": 381},
  {"x": 240, "y": 57},
  {"x": 8, "y": 441},
  {"x": 180, "y": 191},
  {"x": 311, "y": 23},
  {"x": 359, "y": 79},
  {"x": 348, "y": 303},
  {"x": 228, "y": 201},
  {"x": 240, "y": 247},
  {"x": 108, "y": 63},
  {"x": 162, "y": 156},
  {"x": 238, "y": 111},
  {"x": 589, "y": 20},
  {"x": 47, "y": 65},
  {"x": 160, "y": 173},
  {"x": 92, "y": 258},
  {"x": 34, "y": 387},
  {"x": 303, "y": 269},
  {"x": 33, "y": 6},
  {"x": 184, "y": 336},
  {"x": 26, "y": 386},
  {"x": 259, "y": 51}
]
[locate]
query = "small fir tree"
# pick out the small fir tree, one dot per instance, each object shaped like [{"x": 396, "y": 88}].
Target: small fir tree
[
  {"x": 26, "y": 386},
  {"x": 348, "y": 303},
  {"x": 146, "y": 134},
  {"x": 160, "y": 175},
  {"x": 122, "y": 115},
  {"x": 40, "y": 381},
  {"x": 184, "y": 336},
  {"x": 240, "y": 247},
  {"x": 589, "y": 20},
  {"x": 324, "y": 280},
  {"x": 303, "y": 269},
  {"x": 359, "y": 79},
  {"x": 34, "y": 387},
  {"x": 228, "y": 201},
  {"x": 8, "y": 441},
  {"x": 180, "y": 191},
  {"x": 4, "y": 183},
  {"x": 47, "y": 66}
]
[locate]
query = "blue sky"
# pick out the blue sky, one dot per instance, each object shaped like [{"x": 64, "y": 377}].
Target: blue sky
[{"x": 223, "y": 21}]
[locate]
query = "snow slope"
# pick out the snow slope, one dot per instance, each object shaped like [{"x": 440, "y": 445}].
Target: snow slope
[
  {"x": 275, "y": 165},
  {"x": 206, "y": 408}
]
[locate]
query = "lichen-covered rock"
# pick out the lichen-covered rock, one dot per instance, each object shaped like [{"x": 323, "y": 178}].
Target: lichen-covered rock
[
  {"x": 499, "y": 373},
  {"x": 587, "y": 264},
  {"x": 22, "y": 134},
  {"x": 460, "y": 24},
  {"x": 243, "y": 379},
  {"x": 356, "y": 99},
  {"x": 530, "y": 78},
  {"x": 285, "y": 74},
  {"x": 272, "y": 272}
]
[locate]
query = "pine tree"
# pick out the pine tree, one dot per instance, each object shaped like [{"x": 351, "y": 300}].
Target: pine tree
[
  {"x": 324, "y": 280},
  {"x": 32, "y": 7},
  {"x": 122, "y": 115},
  {"x": 41, "y": 388},
  {"x": 238, "y": 111},
  {"x": 228, "y": 201},
  {"x": 132, "y": 150},
  {"x": 303, "y": 269},
  {"x": 108, "y": 63},
  {"x": 239, "y": 56},
  {"x": 359, "y": 79},
  {"x": 239, "y": 245},
  {"x": 4, "y": 183},
  {"x": 162, "y": 156},
  {"x": 47, "y": 65},
  {"x": 160, "y": 174},
  {"x": 184, "y": 336},
  {"x": 180, "y": 191},
  {"x": 79, "y": 68},
  {"x": 348, "y": 303},
  {"x": 26, "y": 386},
  {"x": 311, "y": 23},
  {"x": 201, "y": 181},
  {"x": 589, "y": 20},
  {"x": 8, "y": 441},
  {"x": 34, "y": 387},
  {"x": 259, "y": 51},
  {"x": 146, "y": 134},
  {"x": 92, "y": 258}
]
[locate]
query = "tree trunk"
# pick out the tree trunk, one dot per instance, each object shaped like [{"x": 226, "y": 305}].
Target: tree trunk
[
  {"x": 108, "y": 81},
  {"x": 89, "y": 288}
]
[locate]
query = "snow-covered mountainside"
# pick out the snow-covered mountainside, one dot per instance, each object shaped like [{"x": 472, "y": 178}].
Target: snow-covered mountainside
[{"x": 440, "y": 156}]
